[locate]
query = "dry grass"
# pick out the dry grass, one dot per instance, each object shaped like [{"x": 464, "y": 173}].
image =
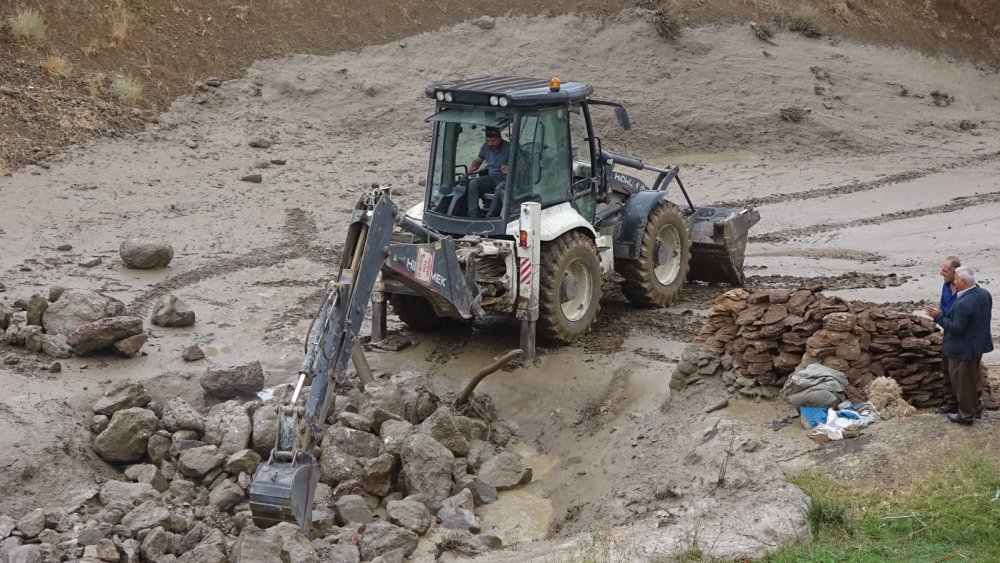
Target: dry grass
[
  {"x": 668, "y": 25},
  {"x": 120, "y": 24},
  {"x": 27, "y": 24},
  {"x": 5, "y": 168},
  {"x": 241, "y": 12},
  {"x": 56, "y": 66},
  {"x": 126, "y": 90},
  {"x": 804, "y": 20},
  {"x": 94, "y": 83}
]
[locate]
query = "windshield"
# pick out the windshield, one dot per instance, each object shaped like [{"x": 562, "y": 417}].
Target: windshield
[{"x": 459, "y": 136}]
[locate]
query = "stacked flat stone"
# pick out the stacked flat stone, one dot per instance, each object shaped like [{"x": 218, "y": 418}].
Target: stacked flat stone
[{"x": 780, "y": 331}]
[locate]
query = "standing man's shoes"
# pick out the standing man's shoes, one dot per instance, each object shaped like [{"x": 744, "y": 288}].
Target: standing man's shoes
[
  {"x": 957, "y": 419},
  {"x": 947, "y": 408}
]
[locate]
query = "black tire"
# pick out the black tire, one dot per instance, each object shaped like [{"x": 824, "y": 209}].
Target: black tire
[
  {"x": 416, "y": 312},
  {"x": 566, "y": 317},
  {"x": 656, "y": 278}
]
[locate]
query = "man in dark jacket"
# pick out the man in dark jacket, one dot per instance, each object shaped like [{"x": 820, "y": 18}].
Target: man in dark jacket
[
  {"x": 966, "y": 338},
  {"x": 948, "y": 267}
]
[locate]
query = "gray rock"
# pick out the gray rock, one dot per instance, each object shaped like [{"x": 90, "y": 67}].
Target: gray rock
[
  {"x": 472, "y": 428},
  {"x": 203, "y": 554},
  {"x": 55, "y": 292},
  {"x": 352, "y": 509},
  {"x": 427, "y": 469},
  {"x": 243, "y": 461},
  {"x": 102, "y": 333},
  {"x": 228, "y": 426},
  {"x": 344, "y": 554},
  {"x": 145, "y": 254},
  {"x": 92, "y": 535},
  {"x": 127, "y": 435},
  {"x": 77, "y": 307},
  {"x": 226, "y": 495},
  {"x": 259, "y": 143},
  {"x": 32, "y": 523},
  {"x": 120, "y": 396},
  {"x": 254, "y": 178},
  {"x": 394, "y": 434},
  {"x": 394, "y": 556},
  {"x": 482, "y": 492},
  {"x": 377, "y": 473},
  {"x": 350, "y": 442},
  {"x": 179, "y": 415},
  {"x": 24, "y": 554},
  {"x": 457, "y": 513},
  {"x": 196, "y": 462},
  {"x": 55, "y": 345},
  {"x": 485, "y": 22},
  {"x": 232, "y": 382},
  {"x": 255, "y": 546},
  {"x": 265, "y": 429},
  {"x": 169, "y": 311},
  {"x": 7, "y": 525},
  {"x": 355, "y": 421},
  {"x": 31, "y": 337},
  {"x": 464, "y": 543},
  {"x": 193, "y": 353},
  {"x": 409, "y": 514},
  {"x": 36, "y": 308},
  {"x": 378, "y": 538},
  {"x": 151, "y": 475},
  {"x": 442, "y": 428},
  {"x": 479, "y": 452},
  {"x": 120, "y": 493},
  {"x": 155, "y": 544},
  {"x": 129, "y": 347},
  {"x": 294, "y": 544},
  {"x": 505, "y": 470},
  {"x": 381, "y": 402},
  {"x": 147, "y": 515},
  {"x": 158, "y": 448},
  {"x": 4, "y": 318}
]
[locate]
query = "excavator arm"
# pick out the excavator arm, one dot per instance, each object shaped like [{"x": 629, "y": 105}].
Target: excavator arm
[{"x": 283, "y": 486}]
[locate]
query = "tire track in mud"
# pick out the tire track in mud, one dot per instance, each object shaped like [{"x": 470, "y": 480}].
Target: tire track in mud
[
  {"x": 299, "y": 243},
  {"x": 955, "y": 204},
  {"x": 855, "y": 187}
]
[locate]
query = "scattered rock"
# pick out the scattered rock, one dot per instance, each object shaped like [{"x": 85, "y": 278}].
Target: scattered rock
[
  {"x": 253, "y": 178},
  {"x": 227, "y": 383},
  {"x": 169, "y": 311},
  {"x": 193, "y": 353},
  {"x": 129, "y": 347},
  {"x": 102, "y": 333},
  {"x": 95, "y": 261},
  {"x": 77, "y": 307},
  {"x": 260, "y": 143},
  {"x": 145, "y": 254},
  {"x": 486, "y": 22}
]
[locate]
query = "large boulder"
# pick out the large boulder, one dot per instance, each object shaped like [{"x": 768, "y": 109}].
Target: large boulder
[
  {"x": 77, "y": 307},
  {"x": 103, "y": 333},
  {"x": 505, "y": 470},
  {"x": 228, "y": 426},
  {"x": 145, "y": 254},
  {"x": 122, "y": 395},
  {"x": 227, "y": 383},
  {"x": 169, "y": 311},
  {"x": 126, "y": 437},
  {"x": 441, "y": 426},
  {"x": 179, "y": 415},
  {"x": 378, "y": 538},
  {"x": 427, "y": 469}
]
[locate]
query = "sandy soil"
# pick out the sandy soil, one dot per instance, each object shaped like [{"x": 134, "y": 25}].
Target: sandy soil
[{"x": 865, "y": 196}]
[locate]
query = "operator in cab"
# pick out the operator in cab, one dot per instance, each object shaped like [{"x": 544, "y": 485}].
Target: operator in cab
[{"x": 495, "y": 152}]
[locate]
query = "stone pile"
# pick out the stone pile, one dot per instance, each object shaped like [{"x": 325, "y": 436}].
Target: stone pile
[
  {"x": 401, "y": 476},
  {"x": 769, "y": 334},
  {"x": 81, "y": 322}
]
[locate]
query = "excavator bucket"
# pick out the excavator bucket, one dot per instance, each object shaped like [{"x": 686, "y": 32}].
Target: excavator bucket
[
  {"x": 718, "y": 243},
  {"x": 283, "y": 492}
]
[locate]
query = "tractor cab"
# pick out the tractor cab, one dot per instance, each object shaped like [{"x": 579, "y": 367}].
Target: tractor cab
[{"x": 546, "y": 139}]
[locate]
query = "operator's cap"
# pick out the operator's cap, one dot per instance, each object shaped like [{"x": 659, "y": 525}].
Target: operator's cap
[{"x": 492, "y": 132}]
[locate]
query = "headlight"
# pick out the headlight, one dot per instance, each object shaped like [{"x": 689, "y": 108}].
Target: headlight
[
  {"x": 494, "y": 100},
  {"x": 503, "y": 102},
  {"x": 447, "y": 96},
  {"x": 439, "y": 95}
]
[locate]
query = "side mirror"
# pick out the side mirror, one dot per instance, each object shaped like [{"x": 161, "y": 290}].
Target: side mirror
[{"x": 623, "y": 119}]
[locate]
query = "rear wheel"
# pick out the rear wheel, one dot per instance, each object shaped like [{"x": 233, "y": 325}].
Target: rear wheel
[
  {"x": 569, "y": 293},
  {"x": 416, "y": 312},
  {"x": 656, "y": 278}
]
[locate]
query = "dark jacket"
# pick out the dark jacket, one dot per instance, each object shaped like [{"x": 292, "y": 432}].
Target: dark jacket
[{"x": 967, "y": 326}]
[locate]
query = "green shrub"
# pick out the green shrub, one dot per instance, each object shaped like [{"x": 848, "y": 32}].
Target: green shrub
[{"x": 27, "y": 24}]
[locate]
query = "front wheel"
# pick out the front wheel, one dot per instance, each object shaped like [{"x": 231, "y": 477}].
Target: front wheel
[
  {"x": 569, "y": 293},
  {"x": 656, "y": 277}
]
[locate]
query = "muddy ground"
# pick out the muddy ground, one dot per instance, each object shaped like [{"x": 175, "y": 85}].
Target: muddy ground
[{"x": 865, "y": 195}]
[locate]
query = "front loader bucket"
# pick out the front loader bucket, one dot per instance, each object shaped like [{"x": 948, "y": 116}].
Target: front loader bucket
[
  {"x": 718, "y": 243},
  {"x": 283, "y": 492}
]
